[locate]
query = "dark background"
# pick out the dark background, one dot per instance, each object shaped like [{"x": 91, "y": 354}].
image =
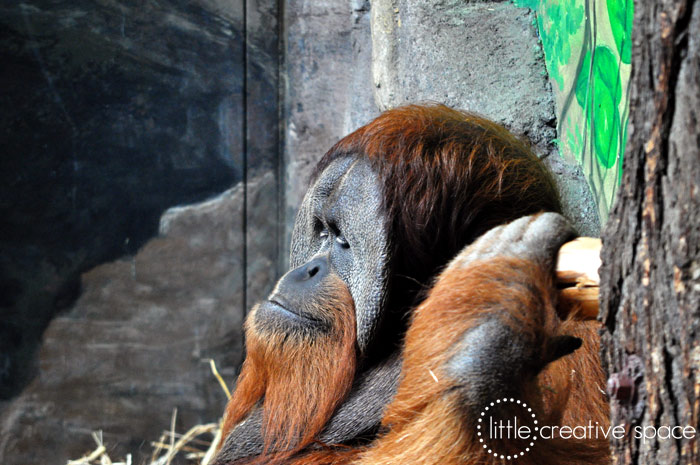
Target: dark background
[{"x": 112, "y": 112}]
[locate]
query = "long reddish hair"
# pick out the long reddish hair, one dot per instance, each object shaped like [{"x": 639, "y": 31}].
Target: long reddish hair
[
  {"x": 299, "y": 379},
  {"x": 447, "y": 177}
]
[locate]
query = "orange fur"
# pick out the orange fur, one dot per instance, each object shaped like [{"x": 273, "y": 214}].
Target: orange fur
[
  {"x": 426, "y": 420},
  {"x": 447, "y": 177},
  {"x": 300, "y": 380}
]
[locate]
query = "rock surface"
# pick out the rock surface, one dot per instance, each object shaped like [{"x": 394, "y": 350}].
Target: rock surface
[
  {"x": 112, "y": 112},
  {"x": 328, "y": 58},
  {"x": 135, "y": 345}
]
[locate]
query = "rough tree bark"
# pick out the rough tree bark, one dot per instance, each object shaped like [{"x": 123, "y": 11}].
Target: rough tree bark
[{"x": 650, "y": 278}]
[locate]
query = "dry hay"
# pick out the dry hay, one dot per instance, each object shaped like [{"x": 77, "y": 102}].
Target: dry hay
[{"x": 195, "y": 449}]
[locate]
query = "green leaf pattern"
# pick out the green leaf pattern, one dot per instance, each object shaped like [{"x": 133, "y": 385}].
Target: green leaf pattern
[
  {"x": 621, "y": 14},
  {"x": 587, "y": 46}
]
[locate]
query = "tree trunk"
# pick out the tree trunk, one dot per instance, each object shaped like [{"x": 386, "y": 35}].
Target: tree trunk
[{"x": 650, "y": 278}]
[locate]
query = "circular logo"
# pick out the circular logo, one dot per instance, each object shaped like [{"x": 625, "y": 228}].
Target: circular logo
[{"x": 507, "y": 428}]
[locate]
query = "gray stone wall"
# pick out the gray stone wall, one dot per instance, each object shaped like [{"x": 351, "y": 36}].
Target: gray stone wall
[
  {"x": 112, "y": 113},
  {"x": 135, "y": 345},
  {"x": 328, "y": 90}
]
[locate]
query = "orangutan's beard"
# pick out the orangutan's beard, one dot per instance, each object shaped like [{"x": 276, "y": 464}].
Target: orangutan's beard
[{"x": 301, "y": 378}]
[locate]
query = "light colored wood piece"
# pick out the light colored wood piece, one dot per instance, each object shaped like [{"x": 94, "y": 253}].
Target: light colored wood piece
[
  {"x": 579, "y": 261},
  {"x": 577, "y": 277}
]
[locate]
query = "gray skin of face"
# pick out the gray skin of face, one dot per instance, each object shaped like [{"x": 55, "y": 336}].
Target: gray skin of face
[
  {"x": 345, "y": 205},
  {"x": 341, "y": 220}
]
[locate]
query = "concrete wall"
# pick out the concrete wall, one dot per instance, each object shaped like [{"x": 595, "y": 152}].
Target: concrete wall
[{"x": 328, "y": 86}]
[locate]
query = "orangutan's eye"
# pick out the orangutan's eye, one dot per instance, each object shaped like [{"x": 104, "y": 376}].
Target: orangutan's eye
[{"x": 343, "y": 243}]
